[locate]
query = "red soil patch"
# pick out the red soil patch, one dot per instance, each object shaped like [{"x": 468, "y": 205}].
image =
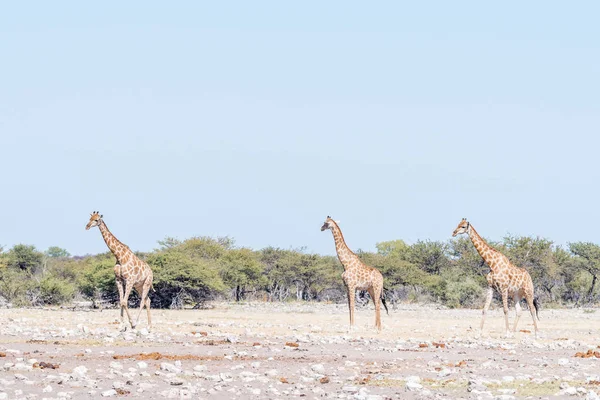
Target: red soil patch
[{"x": 590, "y": 354}]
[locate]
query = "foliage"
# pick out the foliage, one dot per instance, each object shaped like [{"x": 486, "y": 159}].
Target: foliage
[
  {"x": 189, "y": 272},
  {"x": 25, "y": 258},
  {"x": 57, "y": 252},
  {"x": 54, "y": 290}
]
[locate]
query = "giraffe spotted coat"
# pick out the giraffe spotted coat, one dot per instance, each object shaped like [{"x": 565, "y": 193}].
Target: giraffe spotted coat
[{"x": 508, "y": 279}]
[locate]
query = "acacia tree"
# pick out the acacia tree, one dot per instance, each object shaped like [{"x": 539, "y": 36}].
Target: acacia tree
[
  {"x": 540, "y": 258},
  {"x": 587, "y": 259},
  {"x": 25, "y": 258},
  {"x": 241, "y": 269},
  {"x": 57, "y": 252}
]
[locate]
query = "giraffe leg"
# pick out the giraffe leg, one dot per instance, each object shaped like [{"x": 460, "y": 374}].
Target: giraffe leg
[
  {"x": 518, "y": 311},
  {"x": 375, "y": 295},
  {"x": 121, "y": 295},
  {"x": 351, "y": 293},
  {"x": 533, "y": 312},
  {"x": 143, "y": 296},
  {"x": 128, "y": 287},
  {"x": 486, "y": 306},
  {"x": 148, "y": 311},
  {"x": 505, "y": 307}
]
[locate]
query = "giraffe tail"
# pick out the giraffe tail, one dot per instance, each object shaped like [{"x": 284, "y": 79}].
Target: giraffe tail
[
  {"x": 383, "y": 300},
  {"x": 536, "y": 304}
]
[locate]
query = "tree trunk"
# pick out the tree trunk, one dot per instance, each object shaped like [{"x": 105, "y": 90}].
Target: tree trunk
[
  {"x": 238, "y": 293},
  {"x": 591, "y": 292}
]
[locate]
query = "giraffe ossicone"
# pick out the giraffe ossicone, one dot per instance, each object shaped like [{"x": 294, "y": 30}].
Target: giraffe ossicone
[
  {"x": 357, "y": 275},
  {"x": 505, "y": 277},
  {"x": 130, "y": 272}
]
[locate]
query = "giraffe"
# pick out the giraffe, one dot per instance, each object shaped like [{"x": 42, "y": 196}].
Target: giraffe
[
  {"x": 130, "y": 272},
  {"x": 504, "y": 276},
  {"x": 357, "y": 275}
]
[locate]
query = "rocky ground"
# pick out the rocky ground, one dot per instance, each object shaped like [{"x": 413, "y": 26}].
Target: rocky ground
[{"x": 279, "y": 351}]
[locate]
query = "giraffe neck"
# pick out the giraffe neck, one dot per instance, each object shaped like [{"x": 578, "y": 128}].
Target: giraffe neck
[
  {"x": 485, "y": 250},
  {"x": 343, "y": 251},
  {"x": 111, "y": 241}
]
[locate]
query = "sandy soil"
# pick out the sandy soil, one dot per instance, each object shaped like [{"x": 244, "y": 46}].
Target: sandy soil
[{"x": 277, "y": 351}]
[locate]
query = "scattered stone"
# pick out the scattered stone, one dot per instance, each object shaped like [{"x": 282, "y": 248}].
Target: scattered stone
[
  {"x": 413, "y": 386},
  {"x": 350, "y": 389},
  {"x": 318, "y": 368}
]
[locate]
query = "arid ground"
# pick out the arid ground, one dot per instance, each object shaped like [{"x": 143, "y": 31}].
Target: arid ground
[{"x": 293, "y": 350}]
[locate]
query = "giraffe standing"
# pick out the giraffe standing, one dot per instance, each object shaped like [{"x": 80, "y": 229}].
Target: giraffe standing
[
  {"x": 357, "y": 275},
  {"x": 504, "y": 276},
  {"x": 130, "y": 272}
]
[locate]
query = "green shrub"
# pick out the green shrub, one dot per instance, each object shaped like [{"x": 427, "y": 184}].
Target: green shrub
[
  {"x": 14, "y": 286},
  {"x": 56, "y": 291}
]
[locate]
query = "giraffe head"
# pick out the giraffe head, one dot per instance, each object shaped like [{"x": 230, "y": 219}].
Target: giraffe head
[
  {"x": 328, "y": 224},
  {"x": 463, "y": 227},
  {"x": 95, "y": 219}
]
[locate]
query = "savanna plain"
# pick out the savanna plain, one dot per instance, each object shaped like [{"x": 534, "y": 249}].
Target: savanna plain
[{"x": 298, "y": 350}]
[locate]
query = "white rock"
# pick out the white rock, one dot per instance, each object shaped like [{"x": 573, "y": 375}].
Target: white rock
[
  {"x": 200, "y": 368},
  {"x": 318, "y": 368},
  {"x": 413, "y": 386},
  {"x": 508, "y": 378},
  {"x": 413, "y": 378},
  {"x": 571, "y": 391},
  {"x": 350, "y": 389},
  {"x": 563, "y": 361},
  {"x": 47, "y": 389},
  {"x": 142, "y": 365},
  {"x": 80, "y": 371},
  {"x": 176, "y": 382},
  {"x": 169, "y": 368},
  {"x": 591, "y": 395},
  {"x": 146, "y": 386},
  {"x": 116, "y": 365},
  {"x": 109, "y": 393}
]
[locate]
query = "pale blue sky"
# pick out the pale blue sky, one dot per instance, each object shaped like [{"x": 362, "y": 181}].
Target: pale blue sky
[{"x": 258, "y": 119}]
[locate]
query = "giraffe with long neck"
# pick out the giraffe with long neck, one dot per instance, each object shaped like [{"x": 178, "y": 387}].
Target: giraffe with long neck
[
  {"x": 130, "y": 272},
  {"x": 504, "y": 276},
  {"x": 357, "y": 275}
]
